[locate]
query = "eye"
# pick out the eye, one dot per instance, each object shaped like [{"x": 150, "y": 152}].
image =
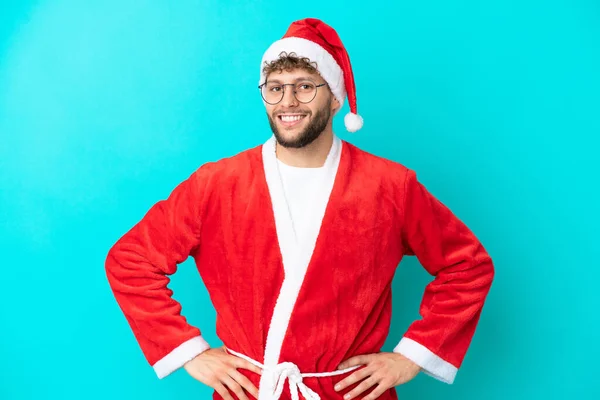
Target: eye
[{"x": 305, "y": 86}]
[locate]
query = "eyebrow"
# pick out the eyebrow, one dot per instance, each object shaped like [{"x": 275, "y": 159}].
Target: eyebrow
[{"x": 302, "y": 78}]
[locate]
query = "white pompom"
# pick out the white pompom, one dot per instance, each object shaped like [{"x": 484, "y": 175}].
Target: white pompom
[{"x": 353, "y": 122}]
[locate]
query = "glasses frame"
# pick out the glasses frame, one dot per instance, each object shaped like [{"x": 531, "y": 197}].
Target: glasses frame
[{"x": 283, "y": 93}]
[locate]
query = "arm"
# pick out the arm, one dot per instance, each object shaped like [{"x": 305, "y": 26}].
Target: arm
[
  {"x": 452, "y": 302},
  {"x": 137, "y": 267}
]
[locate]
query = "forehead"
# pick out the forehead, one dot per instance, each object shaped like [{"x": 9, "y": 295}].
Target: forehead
[{"x": 293, "y": 76}]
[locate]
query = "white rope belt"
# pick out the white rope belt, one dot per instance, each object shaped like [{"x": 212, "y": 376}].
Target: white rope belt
[{"x": 290, "y": 371}]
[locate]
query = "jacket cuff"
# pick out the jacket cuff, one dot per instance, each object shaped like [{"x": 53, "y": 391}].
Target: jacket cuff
[
  {"x": 180, "y": 355},
  {"x": 430, "y": 363}
]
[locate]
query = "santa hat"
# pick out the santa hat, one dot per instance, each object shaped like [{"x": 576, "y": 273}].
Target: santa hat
[{"x": 320, "y": 43}]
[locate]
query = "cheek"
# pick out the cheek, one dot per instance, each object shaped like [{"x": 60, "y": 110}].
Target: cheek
[
  {"x": 322, "y": 105},
  {"x": 322, "y": 108},
  {"x": 314, "y": 107},
  {"x": 269, "y": 110}
]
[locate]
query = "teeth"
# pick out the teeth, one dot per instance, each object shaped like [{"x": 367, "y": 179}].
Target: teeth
[{"x": 291, "y": 118}]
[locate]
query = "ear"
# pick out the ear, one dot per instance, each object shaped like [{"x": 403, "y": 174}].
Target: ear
[{"x": 335, "y": 105}]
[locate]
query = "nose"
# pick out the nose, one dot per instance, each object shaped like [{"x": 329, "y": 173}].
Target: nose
[{"x": 289, "y": 97}]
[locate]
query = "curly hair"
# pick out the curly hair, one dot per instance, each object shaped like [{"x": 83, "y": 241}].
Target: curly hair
[{"x": 289, "y": 62}]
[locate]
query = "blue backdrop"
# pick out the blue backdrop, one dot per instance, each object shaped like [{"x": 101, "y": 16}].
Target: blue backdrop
[{"x": 106, "y": 105}]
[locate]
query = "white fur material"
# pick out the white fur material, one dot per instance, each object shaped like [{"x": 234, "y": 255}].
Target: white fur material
[
  {"x": 180, "y": 355},
  {"x": 326, "y": 64},
  {"x": 353, "y": 122},
  {"x": 431, "y": 364},
  {"x": 296, "y": 252}
]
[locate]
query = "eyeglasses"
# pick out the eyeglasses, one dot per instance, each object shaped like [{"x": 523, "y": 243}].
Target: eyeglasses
[{"x": 304, "y": 91}]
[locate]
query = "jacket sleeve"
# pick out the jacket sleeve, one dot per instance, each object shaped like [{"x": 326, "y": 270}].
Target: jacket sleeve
[
  {"x": 453, "y": 300},
  {"x": 137, "y": 267}
]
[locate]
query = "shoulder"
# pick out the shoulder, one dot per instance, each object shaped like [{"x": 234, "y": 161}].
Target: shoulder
[
  {"x": 378, "y": 167},
  {"x": 238, "y": 166}
]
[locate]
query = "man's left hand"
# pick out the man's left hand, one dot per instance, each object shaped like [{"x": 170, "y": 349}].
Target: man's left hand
[{"x": 385, "y": 370}]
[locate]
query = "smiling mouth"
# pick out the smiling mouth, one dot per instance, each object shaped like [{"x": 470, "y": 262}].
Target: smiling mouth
[{"x": 289, "y": 120}]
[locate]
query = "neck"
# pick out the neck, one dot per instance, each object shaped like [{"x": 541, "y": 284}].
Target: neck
[{"x": 313, "y": 155}]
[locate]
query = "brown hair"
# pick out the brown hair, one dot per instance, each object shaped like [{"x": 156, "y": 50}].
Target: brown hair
[{"x": 289, "y": 62}]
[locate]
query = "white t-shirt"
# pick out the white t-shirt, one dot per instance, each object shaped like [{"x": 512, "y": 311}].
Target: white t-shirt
[{"x": 300, "y": 185}]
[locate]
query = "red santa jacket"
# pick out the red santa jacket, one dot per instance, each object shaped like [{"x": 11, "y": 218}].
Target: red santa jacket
[{"x": 313, "y": 295}]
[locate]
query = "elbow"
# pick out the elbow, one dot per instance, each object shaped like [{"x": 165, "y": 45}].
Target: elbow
[
  {"x": 482, "y": 265},
  {"x": 111, "y": 263},
  {"x": 487, "y": 264},
  {"x": 115, "y": 262},
  {"x": 485, "y": 271},
  {"x": 474, "y": 273},
  {"x": 112, "y": 255}
]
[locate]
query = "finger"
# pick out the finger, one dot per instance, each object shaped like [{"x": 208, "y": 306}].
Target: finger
[
  {"x": 234, "y": 386},
  {"x": 364, "y": 385},
  {"x": 355, "y": 377},
  {"x": 356, "y": 360},
  {"x": 244, "y": 382},
  {"x": 222, "y": 390},
  {"x": 241, "y": 363},
  {"x": 378, "y": 391}
]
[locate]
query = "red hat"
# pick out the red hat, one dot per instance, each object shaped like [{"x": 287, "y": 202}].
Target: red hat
[{"x": 320, "y": 43}]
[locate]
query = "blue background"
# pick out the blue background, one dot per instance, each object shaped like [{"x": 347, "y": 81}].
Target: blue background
[{"x": 106, "y": 105}]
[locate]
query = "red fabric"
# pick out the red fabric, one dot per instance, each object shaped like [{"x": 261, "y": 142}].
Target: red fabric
[
  {"x": 445, "y": 247},
  {"x": 378, "y": 212}
]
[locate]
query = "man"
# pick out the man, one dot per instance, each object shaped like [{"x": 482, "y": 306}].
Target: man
[{"x": 297, "y": 242}]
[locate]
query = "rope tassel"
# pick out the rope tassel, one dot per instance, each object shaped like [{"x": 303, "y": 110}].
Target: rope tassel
[{"x": 290, "y": 372}]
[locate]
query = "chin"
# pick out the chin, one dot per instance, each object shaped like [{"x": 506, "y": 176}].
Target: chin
[
  {"x": 289, "y": 137},
  {"x": 290, "y": 133}
]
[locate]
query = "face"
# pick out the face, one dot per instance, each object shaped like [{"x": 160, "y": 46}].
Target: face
[{"x": 297, "y": 124}]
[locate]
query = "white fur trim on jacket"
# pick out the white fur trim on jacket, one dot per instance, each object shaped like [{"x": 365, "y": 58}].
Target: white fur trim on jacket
[
  {"x": 296, "y": 251},
  {"x": 432, "y": 364},
  {"x": 180, "y": 355}
]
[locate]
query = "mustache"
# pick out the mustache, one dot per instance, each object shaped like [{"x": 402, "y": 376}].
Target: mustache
[{"x": 291, "y": 112}]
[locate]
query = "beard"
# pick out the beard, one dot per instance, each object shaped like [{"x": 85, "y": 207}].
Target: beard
[{"x": 314, "y": 129}]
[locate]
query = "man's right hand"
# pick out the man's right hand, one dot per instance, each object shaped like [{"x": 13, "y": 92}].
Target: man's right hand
[{"x": 218, "y": 369}]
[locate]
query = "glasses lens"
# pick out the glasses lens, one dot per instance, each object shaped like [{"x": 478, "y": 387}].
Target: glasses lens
[
  {"x": 306, "y": 91},
  {"x": 272, "y": 93}
]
